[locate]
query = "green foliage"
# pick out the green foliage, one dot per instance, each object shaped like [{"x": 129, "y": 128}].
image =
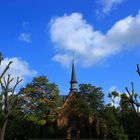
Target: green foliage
[
  {"x": 92, "y": 95},
  {"x": 39, "y": 100},
  {"x": 114, "y": 129},
  {"x": 125, "y": 104},
  {"x": 129, "y": 118},
  {"x": 20, "y": 128},
  {"x": 36, "y": 107},
  {"x": 84, "y": 109},
  {"x": 89, "y": 100}
]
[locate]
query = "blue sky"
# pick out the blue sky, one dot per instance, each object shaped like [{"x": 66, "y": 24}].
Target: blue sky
[{"x": 44, "y": 36}]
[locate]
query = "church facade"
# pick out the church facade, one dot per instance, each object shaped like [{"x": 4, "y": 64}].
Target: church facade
[{"x": 64, "y": 115}]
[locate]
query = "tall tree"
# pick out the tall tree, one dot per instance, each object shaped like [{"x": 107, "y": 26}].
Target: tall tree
[
  {"x": 7, "y": 100},
  {"x": 92, "y": 95},
  {"x": 39, "y": 100},
  {"x": 86, "y": 108}
]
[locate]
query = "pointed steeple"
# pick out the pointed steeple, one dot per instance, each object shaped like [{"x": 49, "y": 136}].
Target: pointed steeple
[{"x": 73, "y": 81}]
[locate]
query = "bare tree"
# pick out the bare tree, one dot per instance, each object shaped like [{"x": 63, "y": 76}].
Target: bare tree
[
  {"x": 133, "y": 96},
  {"x": 7, "y": 100}
]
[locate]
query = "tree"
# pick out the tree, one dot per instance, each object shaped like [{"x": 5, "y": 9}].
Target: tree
[
  {"x": 85, "y": 108},
  {"x": 7, "y": 101},
  {"x": 93, "y": 96},
  {"x": 39, "y": 100},
  {"x": 113, "y": 96},
  {"x": 129, "y": 118},
  {"x": 20, "y": 128},
  {"x": 133, "y": 97},
  {"x": 115, "y": 129},
  {"x": 129, "y": 113},
  {"x": 124, "y": 103}
]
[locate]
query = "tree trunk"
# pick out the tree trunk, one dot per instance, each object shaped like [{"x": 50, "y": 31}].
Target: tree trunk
[{"x": 2, "y": 131}]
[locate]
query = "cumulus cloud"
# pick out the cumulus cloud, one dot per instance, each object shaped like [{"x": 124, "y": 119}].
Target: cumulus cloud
[
  {"x": 108, "y": 5},
  {"x": 25, "y": 37},
  {"x": 19, "y": 68},
  {"x": 63, "y": 59},
  {"x": 72, "y": 34}
]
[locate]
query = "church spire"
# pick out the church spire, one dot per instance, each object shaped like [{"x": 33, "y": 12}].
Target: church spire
[{"x": 73, "y": 81}]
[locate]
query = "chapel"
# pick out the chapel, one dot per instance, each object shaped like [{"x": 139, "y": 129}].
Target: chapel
[{"x": 65, "y": 119}]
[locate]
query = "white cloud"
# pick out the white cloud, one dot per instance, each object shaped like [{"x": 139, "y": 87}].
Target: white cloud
[
  {"x": 26, "y": 37},
  {"x": 108, "y": 5},
  {"x": 117, "y": 101},
  {"x": 18, "y": 68},
  {"x": 72, "y": 34},
  {"x": 113, "y": 88},
  {"x": 63, "y": 59}
]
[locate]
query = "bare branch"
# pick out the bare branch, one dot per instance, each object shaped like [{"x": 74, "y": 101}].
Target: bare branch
[
  {"x": 4, "y": 80},
  {"x": 138, "y": 69},
  {"x": 5, "y": 70},
  {"x": 131, "y": 98},
  {"x": 17, "y": 82},
  {"x": 1, "y": 58},
  {"x": 133, "y": 92},
  {"x": 128, "y": 91},
  {"x": 2, "y": 86},
  {"x": 7, "y": 82}
]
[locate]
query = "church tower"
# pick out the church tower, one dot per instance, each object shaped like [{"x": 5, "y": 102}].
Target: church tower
[{"x": 73, "y": 82}]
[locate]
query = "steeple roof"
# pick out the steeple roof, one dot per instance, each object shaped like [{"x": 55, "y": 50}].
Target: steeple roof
[
  {"x": 73, "y": 75},
  {"x": 73, "y": 82}
]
